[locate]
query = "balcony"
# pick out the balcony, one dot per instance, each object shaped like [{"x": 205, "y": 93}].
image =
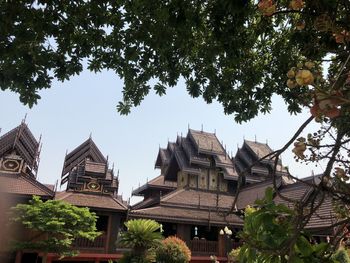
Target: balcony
[
  {"x": 98, "y": 244},
  {"x": 202, "y": 247}
]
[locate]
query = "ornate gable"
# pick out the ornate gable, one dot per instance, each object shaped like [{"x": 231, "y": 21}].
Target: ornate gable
[
  {"x": 19, "y": 151},
  {"x": 85, "y": 169}
]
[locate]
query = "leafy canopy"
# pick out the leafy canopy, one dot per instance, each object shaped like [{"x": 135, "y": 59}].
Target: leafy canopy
[
  {"x": 59, "y": 222},
  {"x": 235, "y": 52},
  {"x": 269, "y": 233}
]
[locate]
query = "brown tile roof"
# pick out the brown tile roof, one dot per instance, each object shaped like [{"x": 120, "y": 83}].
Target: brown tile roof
[
  {"x": 324, "y": 215},
  {"x": 197, "y": 198},
  {"x": 23, "y": 185},
  {"x": 91, "y": 200},
  {"x": 249, "y": 194},
  {"x": 206, "y": 142},
  {"x": 260, "y": 149},
  {"x": 183, "y": 215},
  {"x": 156, "y": 183},
  {"x": 146, "y": 203}
]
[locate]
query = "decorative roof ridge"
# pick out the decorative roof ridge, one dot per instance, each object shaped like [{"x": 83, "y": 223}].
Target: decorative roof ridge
[
  {"x": 120, "y": 202},
  {"x": 197, "y": 131}
]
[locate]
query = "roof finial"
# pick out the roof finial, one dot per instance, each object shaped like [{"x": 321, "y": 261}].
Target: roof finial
[
  {"x": 118, "y": 174},
  {"x": 0, "y": 130},
  {"x": 24, "y": 119},
  {"x": 215, "y": 131},
  {"x": 267, "y": 142},
  {"x": 202, "y": 127},
  {"x": 113, "y": 166},
  {"x": 90, "y": 135},
  {"x": 255, "y": 137},
  {"x": 188, "y": 126}
]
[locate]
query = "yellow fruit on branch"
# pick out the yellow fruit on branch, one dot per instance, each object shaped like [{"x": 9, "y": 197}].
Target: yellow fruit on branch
[
  {"x": 304, "y": 77},
  {"x": 296, "y": 4},
  {"x": 291, "y": 84},
  {"x": 291, "y": 74}
]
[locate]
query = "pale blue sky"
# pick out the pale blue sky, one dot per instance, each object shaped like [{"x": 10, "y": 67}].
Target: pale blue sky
[{"x": 70, "y": 111}]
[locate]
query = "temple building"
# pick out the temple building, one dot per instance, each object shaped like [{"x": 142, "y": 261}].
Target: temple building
[
  {"x": 19, "y": 160},
  {"x": 194, "y": 193},
  {"x": 91, "y": 183},
  {"x": 193, "y": 197}
]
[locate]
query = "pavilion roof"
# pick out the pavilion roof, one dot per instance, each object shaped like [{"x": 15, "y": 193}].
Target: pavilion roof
[
  {"x": 187, "y": 215},
  {"x": 24, "y": 185},
  {"x": 21, "y": 140},
  {"x": 87, "y": 149},
  {"x": 105, "y": 202},
  {"x": 157, "y": 183}
]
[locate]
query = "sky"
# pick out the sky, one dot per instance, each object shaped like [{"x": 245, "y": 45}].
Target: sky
[{"x": 86, "y": 104}]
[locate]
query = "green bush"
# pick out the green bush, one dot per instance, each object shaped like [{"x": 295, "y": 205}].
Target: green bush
[
  {"x": 233, "y": 255},
  {"x": 142, "y": 237},
  {"x": 173, "y": 250},
  {"x": 341, "y": 256}
]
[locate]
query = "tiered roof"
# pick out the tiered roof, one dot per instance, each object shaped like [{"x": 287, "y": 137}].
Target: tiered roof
[
  {"x": 248, "y": 161},
  {"x": 85, "y": 168},
  {"x": 22, "y": 142},
  {"x": 190, "y": 205},
  {"x": 19, "y": 153},
  {"x": 195, "y": 151},
  {"x": 89, "y": 180}
]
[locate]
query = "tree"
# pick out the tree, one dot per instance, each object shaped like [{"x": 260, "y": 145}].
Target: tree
[
  {"x": 239, "y": 53},
  {"x": 142, "y": 237},
  {"x": 59, "y": 222}
]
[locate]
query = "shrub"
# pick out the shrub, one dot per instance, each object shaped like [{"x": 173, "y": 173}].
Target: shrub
[
  {"x": 341, "y": 256},
  {"x": 142, "y": 236},
  {"x": 233, "y": 255},
  {"x": 173, "y": 250}
]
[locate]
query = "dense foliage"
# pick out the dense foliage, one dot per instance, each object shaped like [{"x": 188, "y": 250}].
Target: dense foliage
[
  {"x": 173, "y": 250},
  {"x": 239, "y": 53},
  {"x": 269, "y": 232},
  {"x": 233, "y": 51},
  {"x": 142, "y": 237},
  {"x": 58, "y": 222}
]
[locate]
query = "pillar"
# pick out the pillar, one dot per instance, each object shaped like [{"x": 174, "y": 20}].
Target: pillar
[{"x": 18, "y": 257}]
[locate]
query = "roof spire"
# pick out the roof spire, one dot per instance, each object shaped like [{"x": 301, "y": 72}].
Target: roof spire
[
  {"x": 255, "y": 137},
  {"x": 202, "y": 127},
  {"x": 24, "y": 119},
  {"x": 188, "y": 126}
]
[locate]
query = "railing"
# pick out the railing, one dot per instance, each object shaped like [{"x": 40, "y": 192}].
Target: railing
[
  {"x": 98, "y": 243},
  {"x": 203, "y": 247}
]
